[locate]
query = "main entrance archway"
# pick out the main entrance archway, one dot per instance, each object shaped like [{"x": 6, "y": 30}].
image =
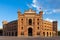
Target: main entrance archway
[{"x": 29, "y": 31}]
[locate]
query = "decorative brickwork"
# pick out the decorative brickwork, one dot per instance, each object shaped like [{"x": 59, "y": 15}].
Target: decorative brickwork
[{"x": 30, "y": 24}]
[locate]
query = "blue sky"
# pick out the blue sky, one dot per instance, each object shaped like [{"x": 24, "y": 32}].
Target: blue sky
[{"x": 9, "y": 8}]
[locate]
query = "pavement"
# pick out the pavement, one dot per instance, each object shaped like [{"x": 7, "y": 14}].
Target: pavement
[{"x": 28, "y": 38}]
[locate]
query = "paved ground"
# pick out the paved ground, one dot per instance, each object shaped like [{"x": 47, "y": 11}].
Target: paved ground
[{"x": 28, "y": 38}]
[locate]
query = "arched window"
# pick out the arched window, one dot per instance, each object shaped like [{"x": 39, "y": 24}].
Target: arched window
[
  {"x": 47, "y": 33},
  {"x": 30, "y": 21},
  {"x": 38, "y": 19},
  {"x": 38, "y": 23},
  {"x": 50, "y": 33},
  {"x": 15, "y": 33},
  {"x": 12, "y": 33},
  {"x": 9, "y": 33},
  {"x": 43, "y": 33},
  {"x": 22, "y": 19},
  {"x": 38, "y": 28},
  {"x": 22, "y": 28}
]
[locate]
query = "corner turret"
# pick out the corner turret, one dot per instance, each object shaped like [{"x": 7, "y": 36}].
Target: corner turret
[{"x": 4, "y": 22}]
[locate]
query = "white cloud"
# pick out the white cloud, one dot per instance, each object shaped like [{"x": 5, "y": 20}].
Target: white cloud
[
  {"x": 51, "y": 11},
  {"x": 51, "y": 20},
  {"x": 36, "y": 4},
  {"x": 29, "y": 5},
  {"x": 34, "y": 1},
  {"x": 56, "y": 10},
  {"x": 33, "y": 5}
]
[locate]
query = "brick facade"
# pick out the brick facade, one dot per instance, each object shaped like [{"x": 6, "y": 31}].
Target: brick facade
[{"x": 30, "y": 24}]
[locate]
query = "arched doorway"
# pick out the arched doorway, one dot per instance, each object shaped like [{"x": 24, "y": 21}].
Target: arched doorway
[{"x": 29, "y": 31}]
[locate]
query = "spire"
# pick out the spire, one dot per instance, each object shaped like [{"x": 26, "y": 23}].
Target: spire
[
  {"x": 18, "y": 10},
  {"x": 41, "y": 12},
  {"x": 19, "y": 13}
]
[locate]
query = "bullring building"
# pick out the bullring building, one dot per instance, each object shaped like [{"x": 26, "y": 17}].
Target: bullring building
[{"x": 30, "y": 24}]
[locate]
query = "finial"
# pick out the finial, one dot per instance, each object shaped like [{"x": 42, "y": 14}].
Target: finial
[
  {"x": 40, "y": 10},
  {"x": 19, "y": 10}
]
